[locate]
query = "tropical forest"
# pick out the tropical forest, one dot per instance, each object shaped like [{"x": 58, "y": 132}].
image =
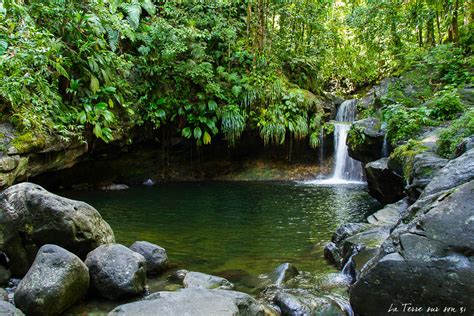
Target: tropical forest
[{"x": 236, "y": 157}]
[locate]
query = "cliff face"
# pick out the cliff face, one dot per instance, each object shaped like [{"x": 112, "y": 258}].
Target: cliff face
[{"x": 24, "y": 156}]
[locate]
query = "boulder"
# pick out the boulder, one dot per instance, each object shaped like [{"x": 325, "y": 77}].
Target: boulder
[
  {"x": 346, "y": 230},
  {"x": 454, "y": 173},
  {"x": 384, "y": 184},
  {"x": 7, "y": 309},
  {"x": 155, "y": 256},
  {"x": 298, "y": 303},
  {"x": 425, "y": 167},
  {"x": 31, "y": 217},
  {"x": 422, "y": 262},
  {"x": 56, "y": 280},
  {"x": 372, "y": 137},
  {"x": 193, "y": 301},
  {"x": 205, "y": 281},
  {"x": 333, "y": 255},
  {"x": 116, "y": 271},
  {"x": 5, "y": 275},
  {"x": 389, "y": 215}
]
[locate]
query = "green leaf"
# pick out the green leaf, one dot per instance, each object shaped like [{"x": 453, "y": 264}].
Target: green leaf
[
  {"x": 160, "y": 113},
  {"x": 94, "y": 84},
  {"x": 206, "y": 138},
  {"x": 197, "y": 132},
  {"x": 186, "y": 132},
  {"x": 101, "y": 106},
  {"x": 212, "y": 105},
  {"x": 134, "y": 11},
  {"x": 236, "y": 90},
  {"x": 82, "y": 117},
  {"x": 97, "y": 130},
  {"x": 109, "y": 90},
  {"x": 149, "y": 7}
]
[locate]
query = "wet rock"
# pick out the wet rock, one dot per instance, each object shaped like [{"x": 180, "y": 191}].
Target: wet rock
[
  {"x": 149, "y": 183},
  {"x": 283, "y": 273},
  {"x": 193, "y": 301},
  {"x": 56, "y": 280},
  {"x": 346, "y": 230},
  {"x": 116, "y": 271},
  {"x": 8, "y": 163},
  {"x": 370, "y": 148},
  {"x": 155, "y": 256},
  {"x": 31, "y": 217},
  {"x": 179, "y": 275},
  {"x": 426, "y": 261},
  {"x": 298, "y": 303},
  {"x": 333, "y": 255},
  {"x": 8, "y": 309},
  {"x": 389, "y": 215},
  {"x": 114, "y": 187},
  {"x": 205, "y": 281},
  {"x": 425, "y": 167},
  {"x": 385, "y": 185}
]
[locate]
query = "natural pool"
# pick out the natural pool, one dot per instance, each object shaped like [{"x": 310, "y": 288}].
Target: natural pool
[{"x": 223, "y": 227}]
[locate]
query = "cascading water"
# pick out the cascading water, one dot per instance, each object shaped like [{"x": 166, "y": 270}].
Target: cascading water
[{"x": 346, "y": 168}]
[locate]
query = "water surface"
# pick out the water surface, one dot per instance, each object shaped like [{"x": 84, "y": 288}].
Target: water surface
[{"x": 220, "y": 227}]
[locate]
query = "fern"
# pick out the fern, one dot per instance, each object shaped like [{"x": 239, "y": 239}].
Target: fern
[{"x": 233, "y": 123}]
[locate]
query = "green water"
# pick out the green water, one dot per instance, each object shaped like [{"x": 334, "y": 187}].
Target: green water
[{"x": 220, "y": 227}]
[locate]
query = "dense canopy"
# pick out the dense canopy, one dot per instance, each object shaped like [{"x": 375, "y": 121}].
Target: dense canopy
[{"x": 199, "y": 68}]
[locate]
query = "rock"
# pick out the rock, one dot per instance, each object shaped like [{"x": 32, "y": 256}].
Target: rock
[
  {"x": 205, "y": 281},
  {"x": 346, "y": 230},
  {"x": 178, "y": 275},
  {"x": 3, "y": 295},
  {"x": 7, "y": 309},
  {"x": 466, "y": 145},
  {"x": 27, "y": 154},
  {"x": 283, "y": 273},
  {"x": 149, "y": 183},
  {"x": 425, "y": 167},
  {"x": 359, "y": 249},
  {"x": 8, "y": 163},
  {"x": 56, "y": 280},
  {"x": 385, "y": 185},
  {"x": 370, "y": 148},
  {"x": 31, "y": 217},
  {"x": 193, "y": 301},
  {"x": 333, "y": 255},
  {"x": 427, "y": 261},
  {"x": 155, "y": 256},
  {"x": 454, "y": 173},
  {"x": 114, "y": 187},
  {"x": 116, "y": 271},
  {"x": 300, "y": 303},
  {"x": 389, "y": 215},
  {"x": 5, "y": 275}
]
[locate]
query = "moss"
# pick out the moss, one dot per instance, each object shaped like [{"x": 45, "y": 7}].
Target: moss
[
  {"x": 451, "y": 136},
  {"x": 405, "y": 155},
  {"x": 28, "y": 142}
]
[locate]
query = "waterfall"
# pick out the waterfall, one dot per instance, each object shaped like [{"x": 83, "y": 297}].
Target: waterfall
[
  {"x": 345, "y": 167},
  {"x": 321, "y": 148}
]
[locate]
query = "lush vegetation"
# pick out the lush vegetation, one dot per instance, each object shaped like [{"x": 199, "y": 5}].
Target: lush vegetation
[{"x": 96, "y": 69}]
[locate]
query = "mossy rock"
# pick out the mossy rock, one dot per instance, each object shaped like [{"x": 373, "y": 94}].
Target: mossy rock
[
  {"x": 27, "y": 143},
  {"x": 402, "y": 158}
]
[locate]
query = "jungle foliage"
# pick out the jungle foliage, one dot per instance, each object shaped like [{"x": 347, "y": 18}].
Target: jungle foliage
[{"x": 85, "y": 69}]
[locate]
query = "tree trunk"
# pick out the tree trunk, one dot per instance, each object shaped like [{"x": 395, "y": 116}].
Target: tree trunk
[{"x": 430, "y": 36}]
